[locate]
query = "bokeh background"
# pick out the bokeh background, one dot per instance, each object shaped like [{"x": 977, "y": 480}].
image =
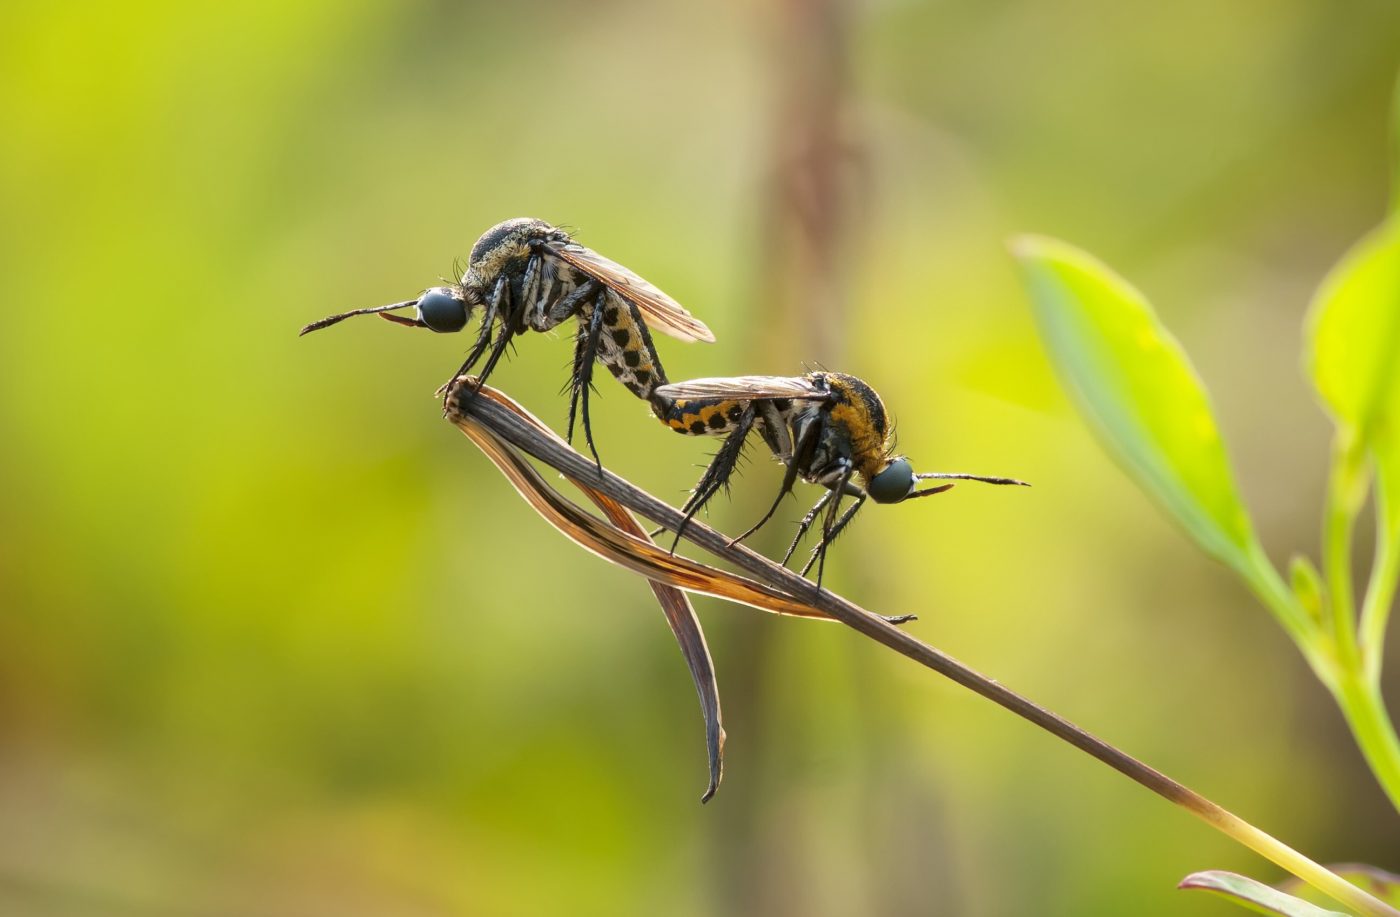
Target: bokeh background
[{"x": 275, "y": 640}]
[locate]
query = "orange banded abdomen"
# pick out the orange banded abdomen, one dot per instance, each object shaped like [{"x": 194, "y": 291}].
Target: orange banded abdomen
[{"x": 700, "y": 416}]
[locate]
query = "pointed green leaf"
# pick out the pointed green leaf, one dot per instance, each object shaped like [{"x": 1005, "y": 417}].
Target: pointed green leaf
[
  {"x": 1377, "y": 882},
  {"x": 1139, "y": 391},
  {"x": 1253, "y": 895},
  {"x": 1354, "y": 346}
]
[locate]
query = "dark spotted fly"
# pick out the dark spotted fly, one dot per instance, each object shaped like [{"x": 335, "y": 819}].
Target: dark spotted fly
[
  {"x": 526, "y": 275},
  {"x": 826, "y": 428}
]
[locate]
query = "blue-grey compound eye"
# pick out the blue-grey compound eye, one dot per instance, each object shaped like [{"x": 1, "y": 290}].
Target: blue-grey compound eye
[
  {"x": 441, "y": 311},
  {"x": 894, "y": 483}
]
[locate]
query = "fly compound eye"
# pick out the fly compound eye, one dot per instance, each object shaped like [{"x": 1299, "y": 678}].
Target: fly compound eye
[
  {"x": 894, "y": 483},
  {"x": 441, "y": 311}
]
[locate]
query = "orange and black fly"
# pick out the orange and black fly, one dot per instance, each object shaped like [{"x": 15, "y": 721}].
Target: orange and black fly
[{"x": 827, "y": 428}]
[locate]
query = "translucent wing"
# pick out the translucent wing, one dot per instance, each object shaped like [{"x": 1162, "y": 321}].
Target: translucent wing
[
  {"x": 748, "y": 387},
  {"x": 662, "y": 312}
]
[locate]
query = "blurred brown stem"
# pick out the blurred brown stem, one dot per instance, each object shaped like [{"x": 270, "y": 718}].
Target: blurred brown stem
[{"x": 496, "y": 415}]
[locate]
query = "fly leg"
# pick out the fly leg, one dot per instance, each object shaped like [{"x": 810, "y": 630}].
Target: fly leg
[
  {"x": 585, "y": 355},
  {"x": 830, "y": 536},
  {"x": 804, "y": 444},
  {"x": 512, "y": 319},
  {"x": 595, "y": 331},
  {"x": 483, "y": 340},
  {"x": 565, "y": 307},
  {"x": 789, "y": 478},
  {"x": 718, "y": 474},
  {"x": 483, "y": 336},
  {"x": 806, "y": 523},
  {"x": 498, "y": 349},
  {"x": 569, "y": 305},
  {"x": 831, "y": 526},
  {"x": 575, "y": 377},
  {"x": 530, "y": 299}
]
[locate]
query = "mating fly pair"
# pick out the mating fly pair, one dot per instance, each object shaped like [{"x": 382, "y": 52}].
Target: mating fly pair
[
  {"x": 827, "y": 428},
  {"x": 530, "y": 276}
]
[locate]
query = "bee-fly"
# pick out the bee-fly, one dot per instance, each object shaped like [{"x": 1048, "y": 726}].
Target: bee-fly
[
  {"x": 527, "y": 275},
  {"x": 827, "y": 428}
]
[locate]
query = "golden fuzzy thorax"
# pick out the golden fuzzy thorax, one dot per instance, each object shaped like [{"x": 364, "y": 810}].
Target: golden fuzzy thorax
[{"x": 862, "y": 413}]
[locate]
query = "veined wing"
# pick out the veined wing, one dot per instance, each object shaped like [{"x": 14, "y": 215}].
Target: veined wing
[
  {"x": 746, "y": 387},
  {"x": 662, "y": 312}
]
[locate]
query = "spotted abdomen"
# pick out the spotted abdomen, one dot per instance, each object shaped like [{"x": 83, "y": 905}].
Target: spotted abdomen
[
  {"x": 625, "y": 347},
  {"x": 699, "y": 416}
]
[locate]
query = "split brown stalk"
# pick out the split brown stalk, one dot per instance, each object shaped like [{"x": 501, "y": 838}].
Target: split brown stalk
[{"x": 507, "y": 433}]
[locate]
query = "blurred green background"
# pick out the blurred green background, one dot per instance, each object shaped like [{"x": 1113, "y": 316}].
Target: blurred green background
[{"x": 275, "y": 639}]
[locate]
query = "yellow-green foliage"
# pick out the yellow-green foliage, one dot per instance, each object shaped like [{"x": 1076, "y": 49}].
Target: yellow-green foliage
[{"x": 275, "y": 640}]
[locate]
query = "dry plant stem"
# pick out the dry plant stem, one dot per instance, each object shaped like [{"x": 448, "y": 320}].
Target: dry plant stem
[
  {"x": 626, "y": 549},
  {"x": 680, "y": 615},
  {"x": 490, "y": 411},
  {"x": 626, "y": 543},
  {"x": 639, "y": 555}
]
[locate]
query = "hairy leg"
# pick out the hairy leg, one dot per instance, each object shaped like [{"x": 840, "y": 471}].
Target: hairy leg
[
  {"x": 720, "y": 470},
  {"x": 829, "y": 528},
  {"x": 830, "y": 536},
  {"x": 585, "y": 373}
]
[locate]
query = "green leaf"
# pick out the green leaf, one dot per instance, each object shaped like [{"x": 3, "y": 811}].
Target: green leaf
[
  {"x": 1139, "y": 391},
  {"x": 1377, "y": 882},
  {"x": 1353, "y": 349},
  {"x": 1256, "y": 896}
]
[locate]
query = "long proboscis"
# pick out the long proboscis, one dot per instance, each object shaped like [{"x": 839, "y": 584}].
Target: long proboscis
[
  {"x": 337, "y": 319},
  {"x": 930, "y": 475}
]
